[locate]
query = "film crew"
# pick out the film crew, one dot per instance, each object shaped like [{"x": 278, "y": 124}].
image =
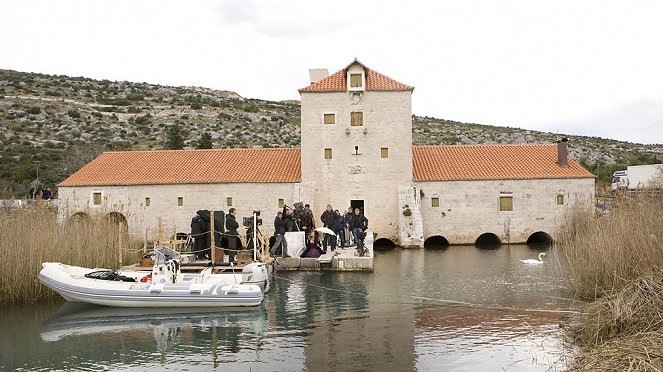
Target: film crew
[
  {"x": 279, "y": 234},
  {"x": 232, "y": 235}
]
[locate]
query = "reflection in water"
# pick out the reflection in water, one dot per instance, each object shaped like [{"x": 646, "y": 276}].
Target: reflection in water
[{"x": 460, "y": 308}]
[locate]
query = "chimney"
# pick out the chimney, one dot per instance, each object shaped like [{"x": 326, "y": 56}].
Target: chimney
[
  {"x": 317, "y": 74},
  {"x": 563, "y": 153}
]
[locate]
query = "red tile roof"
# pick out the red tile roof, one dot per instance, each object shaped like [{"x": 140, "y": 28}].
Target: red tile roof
[
  {"x": 491, "y": 162},
  {"x": 337, "y": 82},
  {"x": 190, "y": 166}
]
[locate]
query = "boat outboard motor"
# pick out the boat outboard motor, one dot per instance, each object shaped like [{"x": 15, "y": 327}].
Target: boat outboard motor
[
  {"x": 166, "y": 266},
  {"x": 256, "y": 273}
]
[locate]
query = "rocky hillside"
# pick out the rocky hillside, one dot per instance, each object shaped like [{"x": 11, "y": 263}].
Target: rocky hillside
[{"x": 55, "y": 124}]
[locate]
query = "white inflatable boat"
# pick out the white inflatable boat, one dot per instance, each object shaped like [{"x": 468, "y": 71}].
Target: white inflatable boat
[{"x": 164, "y": 286}]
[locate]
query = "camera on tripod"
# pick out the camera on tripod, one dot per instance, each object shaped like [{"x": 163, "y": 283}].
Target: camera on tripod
[{"x": 248, "y": 221}]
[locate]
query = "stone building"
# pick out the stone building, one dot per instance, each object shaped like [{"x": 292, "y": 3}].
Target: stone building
[{"x": 356, "y": 150}]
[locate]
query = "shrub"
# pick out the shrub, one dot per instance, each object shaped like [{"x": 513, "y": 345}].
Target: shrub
[{"x": 74, "y": 114}]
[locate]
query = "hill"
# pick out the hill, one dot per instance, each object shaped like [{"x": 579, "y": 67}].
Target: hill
[{"x": 53, "y": 125}]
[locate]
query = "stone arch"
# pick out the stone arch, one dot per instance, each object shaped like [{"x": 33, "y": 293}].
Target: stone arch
[
  {"x": 540, "y": 238},
  {"x": 80, "y": 217},
  {"x": 383, "y": 244},
  {"x": 488, "y": 241},
  {"x": 436, "y": 242},
  {"x": 116, "y": 218}
]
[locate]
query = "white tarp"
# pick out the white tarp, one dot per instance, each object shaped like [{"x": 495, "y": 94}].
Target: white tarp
[{"x": 296, "y": 243}]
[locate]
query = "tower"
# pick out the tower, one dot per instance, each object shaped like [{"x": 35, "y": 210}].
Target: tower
[{"x": 356, "y": 149}]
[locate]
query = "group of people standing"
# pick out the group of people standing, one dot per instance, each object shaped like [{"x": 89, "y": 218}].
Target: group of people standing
[{"x": 348, "y": 229}]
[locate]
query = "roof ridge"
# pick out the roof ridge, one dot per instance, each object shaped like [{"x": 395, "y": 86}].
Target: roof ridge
[{"x": 201, "y": 150}]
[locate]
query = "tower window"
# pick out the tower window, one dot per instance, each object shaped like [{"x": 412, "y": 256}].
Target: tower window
[
  {"x": 435, "y": 202},
  {"x": 560, "y": 199},
  {"x": 229, "y": 201},
  {"x": 180, "y": 201},
  {"x": 356, "y": 81},
  {"x": 328, "y": 154},
  {"x": 281, "y": 203},
  {"x": 147, "y": 202},
  {"x": 96, "y": 198},
  {"x": 384, "y": 152},
  {"x": 329, "y": 118},
  {"x": 356, "y": 118}
]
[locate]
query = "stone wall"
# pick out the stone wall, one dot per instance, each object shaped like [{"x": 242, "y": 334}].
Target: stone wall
[
  {"x": 130, "y": 202},
  {"x": 468, "y": 209}
]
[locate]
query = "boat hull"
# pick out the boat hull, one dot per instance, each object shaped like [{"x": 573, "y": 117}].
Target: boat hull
[{"x": 70, "y": 283}]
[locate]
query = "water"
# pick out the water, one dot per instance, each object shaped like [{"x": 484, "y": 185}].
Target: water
[{"x": 461, "y": 308}]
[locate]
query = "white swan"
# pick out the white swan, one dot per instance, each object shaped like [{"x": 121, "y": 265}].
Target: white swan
[{"x": 531, "y": 261}]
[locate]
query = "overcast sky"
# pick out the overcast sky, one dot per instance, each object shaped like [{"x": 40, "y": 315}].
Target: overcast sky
[{"x": 575, "y": 67}]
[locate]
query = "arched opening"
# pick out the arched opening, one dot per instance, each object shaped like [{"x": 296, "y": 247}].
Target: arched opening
[
  {"x": 540, "y": 240},
  {"x": 116, "y": 218},
  {"x": 80, "y": 217},
  {"x": 383, "y": 244},
  {"x": 539, "y": 237},
  {"x": 488, "y": 241},
  {"x": 436, "y": 242}
]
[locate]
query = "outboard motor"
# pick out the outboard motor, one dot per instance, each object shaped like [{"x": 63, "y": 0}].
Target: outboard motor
[
  {"x": 166, "y": 266},
  {"x": 256, "y": 273}
]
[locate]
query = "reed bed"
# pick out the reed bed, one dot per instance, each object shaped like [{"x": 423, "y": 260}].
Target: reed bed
[
  {"x": 616, "y": 260},
  {"x": 606, "y": 252},
  {"x": 32, "y": 235}
]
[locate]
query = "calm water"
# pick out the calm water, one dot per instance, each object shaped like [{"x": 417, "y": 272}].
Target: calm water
[{"x": 458, "y": 309}]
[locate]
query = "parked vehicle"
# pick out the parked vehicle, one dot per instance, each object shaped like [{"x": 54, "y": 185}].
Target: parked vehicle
[{"x": 636, "y": 177}]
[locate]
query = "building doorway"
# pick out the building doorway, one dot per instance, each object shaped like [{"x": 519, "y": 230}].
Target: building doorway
[{"x": 357, "y": 204}]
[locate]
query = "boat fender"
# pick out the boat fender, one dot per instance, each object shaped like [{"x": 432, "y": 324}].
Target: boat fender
[{"x": 146, "y": 278}]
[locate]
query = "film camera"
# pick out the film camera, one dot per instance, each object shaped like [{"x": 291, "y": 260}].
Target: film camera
[{"x": 248, "y": 221}]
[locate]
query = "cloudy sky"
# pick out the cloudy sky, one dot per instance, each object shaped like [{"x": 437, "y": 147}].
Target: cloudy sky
[{"x": 574, "y": 67}]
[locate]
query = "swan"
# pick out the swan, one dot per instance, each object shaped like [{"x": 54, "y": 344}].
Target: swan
[{"x": 533, "y": 261}]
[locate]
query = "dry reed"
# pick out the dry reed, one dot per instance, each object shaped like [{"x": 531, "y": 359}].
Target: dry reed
[
  {"x": 623, "y": 330},
  {"x": 605, "y": 252},
  {"x": 616, "y": 259},
  {"x": 32, "y": 235}
]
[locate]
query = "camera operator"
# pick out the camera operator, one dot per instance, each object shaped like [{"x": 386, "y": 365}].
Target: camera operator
[
  {"x": 231, "y": 234},
  {"x": 290, "y": 224}
]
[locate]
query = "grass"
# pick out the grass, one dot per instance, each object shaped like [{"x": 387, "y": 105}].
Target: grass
[
  {"x": 32, "y": 235},
  {"x": 616, "y": 260},
  {"x": 606, "y": 252}
]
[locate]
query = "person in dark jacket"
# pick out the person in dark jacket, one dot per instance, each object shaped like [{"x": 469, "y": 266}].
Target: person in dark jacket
[
  {"x": 339, "y": 228},
  {"x": 290, "y": 224},
  {"x": 327, "y": 219},
  {"x": 231, "y": 234},
  {"x": 349, "y": 240},
  {"x": 306, "y": 222},
  {"x": 279, "y": 234},
  {"x": 358, "y": 225}
]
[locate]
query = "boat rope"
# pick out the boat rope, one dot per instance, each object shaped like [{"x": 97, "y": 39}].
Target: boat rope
[{"x": 440, "y": 300}]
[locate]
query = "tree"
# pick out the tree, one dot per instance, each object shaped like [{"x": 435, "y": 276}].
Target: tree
[
  {"x": 205, "y": 141},
  {"x": 175, "y": 140}
]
